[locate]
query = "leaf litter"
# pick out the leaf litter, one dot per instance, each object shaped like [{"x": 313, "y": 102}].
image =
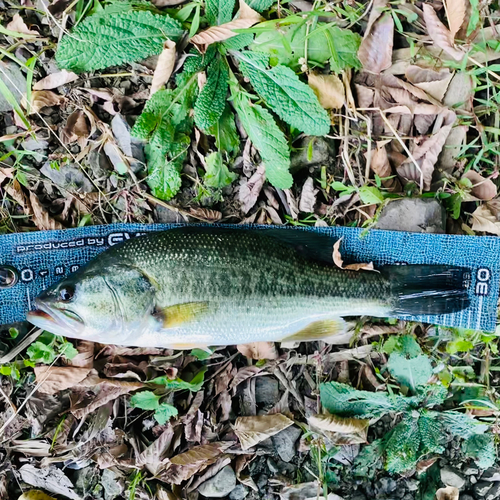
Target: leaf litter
[{"x": 402, "y": 101}]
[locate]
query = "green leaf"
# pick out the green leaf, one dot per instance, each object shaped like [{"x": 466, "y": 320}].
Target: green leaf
[
  {"x": 225, "y": 133},
  {"x": 402, "y": 446},
  {"x": 198, "y": 62},
  {"x": 267, "y": 138},
  {"x": 371, "y": 195},
  {"x": 217, "y": 175},
  {"x": 292, "y": 100},
  {"x": 109, "y": 39},
  {"x": 6, "y": 370},
  {"x": 461, "y": 425},
  {"x": 327, "y": 43},
  {"x": 459, "y": 345},
  {"x": 474, "y": 16},
  {"x": 200, "y": 354},
  {"x": 179, "y": 385},
  {"x": 482, "y": 449},
  {"x": 165, "y": 412},
  {"x": 212, "y": 99},
  {"x": 68, "y": 349},
  {"x": 41, "y": 353},
  {"x": 431, "y": 433},
  {"x": 369, "y": 459},
  {"x": 219, "y": 11},
  {"x": 145, "y": 400},
  {"x": 238, "y": 42},
  {"x": 412, "y": 372},
  {"x": 260, "y": 5},
  {"x": 13, "y": 332}
]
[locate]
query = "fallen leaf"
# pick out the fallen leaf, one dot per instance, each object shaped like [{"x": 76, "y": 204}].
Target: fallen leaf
[
  {"x": 152, "y": 456},
  {"x": 167, "y": 3},
  {"x": 329, "y": 89},
  {"x": 306, "y": 491},
  {"x": 164, "y": 66},
  {"x": 35, "y": 495},
  {"x": 205, "y": 214},
  {"x": 334, "y": 423},
  {"x": 448, "y": 493},
  {"x": 55, "y": 80},
  {"x": 85, "y": 356},
  {"x": 381, "y": 166},
  {"x": 41, "y": 217},
  {"x": 17, "y": 24},
  {"x": 58, "y": 378},
  {"x": 246, "y": 19},
  {"x": 455, "y": 12},
  {"x": 249, "y": 191},
  {"x": 49, "y": 478},
  {"x": 485, "y": 221},
  {"x": 439, "y": 33},
  {"x": 375, "y": 51},
  {"x": 253, "y": 430},
  {"x": 242, "y": 461},
  {"x": 76, "y": 129},
  {"x": 434, "y": 83},
  {"x": 258, "y": 350},
  {"x": 244, "y": 374},
  {"x": 42, "y": 99},
  {"x": 308, "y": 196},
  {"x": 338, "y": 261},
  {"x": 483, "y": 189}
]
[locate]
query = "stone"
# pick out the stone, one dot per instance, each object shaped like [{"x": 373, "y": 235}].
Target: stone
[
  {"x": 131, "y": 146},
  {"x": 491, "y": 474},
  {"x": 412, "y": 484},
  {"x": 69, "y": 176},
  {"x": 12, "y": 76},
  {"x": 284, "y": 442},
  {"x": 220, "y": 485},
  {"x": 239, "y": 493},
  {"x": 35, "y": 145},
  {"x": 358, "y": 496},
  {"x": 466, "y": 497},
  {"x": 470, "y": 470},
  {"x": 452, "y": 477},
  {"x": 473, "y": 479},
  {"x": 267, "y": 391},
  {"x": 416, "y": 215},
  {"x": 493, "y": 493},
  {"x": 385, "y": 485},
  {"x": 112, "y": 487},
  {"x": 313, "y": 152},
  {"x": 481, "y": 488}
]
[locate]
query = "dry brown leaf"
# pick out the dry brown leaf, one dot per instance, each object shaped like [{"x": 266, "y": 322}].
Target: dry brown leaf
[
  {"x": 44, "y": 98},
  {"x": 41, "y": 217},
  {"x": 164, "y": 66},
  {"x": 76, "y": 129},
  {"x": 338, "y": 261},
  {"x": 59, "y": 378},
  {"x": 308, "y": 196},
  {"x": 206, "y": 214},
  {"x": 35, "y": 494},
  {"x": 253, "y": 430},
  {"x": 246, "y": 19},
  {"x": 440, "y": 34},
  {"x": 250, "y": 190},
  {"x": 434, "y": 83},
  {"x": 167, "y": 3},
  {"x": 381, "y": 166},
  {"x": 334, "y": 423},
  {"x": 85, "y": 356},
  {"x": 455, "y": 12},
  {"x": 375, "y": 51},
  {"x": 17, "y": 24},
  {"x": 244, "y": 374},
  {"x": 483, "y": 189},
  {"x": 258, "y": 350},
  {"x": 329, "y": 89},
  {"x": 55, "y": 80},
  {"x": 448, "y": 493},
  {"x": 485, "y": 221}
]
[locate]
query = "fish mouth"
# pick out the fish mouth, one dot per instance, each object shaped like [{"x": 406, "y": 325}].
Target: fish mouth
[{"x": 56, "y": 321}]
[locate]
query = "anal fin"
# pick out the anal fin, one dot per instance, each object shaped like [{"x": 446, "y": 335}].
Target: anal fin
[{"x": 329, "y": 330}]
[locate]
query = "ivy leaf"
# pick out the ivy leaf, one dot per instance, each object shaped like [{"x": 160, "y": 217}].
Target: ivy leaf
[
  {"x": 110, "y": 38},
  {"x": 267, "y": 138},
  {"x": 412, "y": 372},
  {"x": 217, "y": 175},
  {"x": 41, "y": 353},
  {"x": 212, "y": 99},
  {"x": 145, "y": 400},
  {"x": 219, "y": 11},
  {"x": 165, "y": 412},
  {"x": 292, "y": 100}
]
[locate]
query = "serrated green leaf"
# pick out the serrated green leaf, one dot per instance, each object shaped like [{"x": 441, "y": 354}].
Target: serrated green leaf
[
  {"x": 198, "y": 62},
  {"x": 267, "y": 138},
  {"x": 461, "y": 425},
  {"x": 402, "y": 446},
  {"x": 226, "y": 136},
  {"x": 217, "y": 174},
  {"x": 431, "y": 433},
  {"x": 145, "y": 400},
  {"x": 219, "y": 11},
  {"x": 212, "y": 99},
  {"x": 412, "y": 372},
  {"x": 260, "y": 5},
  {"x": 326, "y": 43},
  {"x": 482, "y": 449},
  {"x": 292, "y": 100},
  {"x": 109, "y": 39},
  {"x": 238, "y": 42},
  {"x": 165, "y": 412},
  {"x": 369, "y": 459}
]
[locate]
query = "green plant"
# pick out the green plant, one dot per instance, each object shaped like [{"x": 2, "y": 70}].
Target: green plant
[{"x": 48, "y": 347}]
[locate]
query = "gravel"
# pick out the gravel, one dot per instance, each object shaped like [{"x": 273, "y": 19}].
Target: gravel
[
  {"x": 220, "y": 485},
  {"x": 452, "y": 477}
]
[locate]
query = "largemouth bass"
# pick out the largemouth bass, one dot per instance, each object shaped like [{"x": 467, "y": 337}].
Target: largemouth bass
[{"x": 194, "y": 287}]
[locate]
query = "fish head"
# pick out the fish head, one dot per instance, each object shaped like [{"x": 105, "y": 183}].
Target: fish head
[{"x": 104, "y": 305}]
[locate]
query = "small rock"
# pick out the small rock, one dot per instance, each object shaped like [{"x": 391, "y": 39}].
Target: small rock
[
  {"x": 112, "y": 487},
  {"x": 267, "y": 391},
  {"x": 481, "y": 488},
  {"x": 239, "y": 493},
  {"x": 131, "y": 146},
  {"x": 416, "y": 215},
  {"x": 469, "y": 471},
  {"x": 412, "y": 484},
  {"x": 313, "y": 152},
  {"x": 12, "y": 129},
  {"x": 466, "y": 497},
  {"x": 284, "y": 442},
  {"x": 262, "y": 482},
  {"x": 473, "y": 479},
  {"x": 494, "y": 493},
  {"x": 451, "y": 477},
  {"x": 15, "y": 81},
  {"x": 34, "y": 145},
  {"x": 220, "y": 485},
  {"x": 491, "y": 474},
  {"x": 69, "y": 177},
  {"x": 358, "y": 496},
  {"x": 385, "y": 485}
]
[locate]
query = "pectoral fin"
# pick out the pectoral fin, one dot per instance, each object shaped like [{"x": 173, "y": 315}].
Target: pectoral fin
[
  {"x": 180, "y": 314},
  {"x": 329, "y": 330}
]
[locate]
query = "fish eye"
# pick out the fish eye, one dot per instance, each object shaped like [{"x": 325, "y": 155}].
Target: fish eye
[{"x": 67, "y": 293}]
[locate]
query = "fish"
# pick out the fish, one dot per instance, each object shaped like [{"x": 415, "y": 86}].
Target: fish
[{"x": 197, "y": 286}]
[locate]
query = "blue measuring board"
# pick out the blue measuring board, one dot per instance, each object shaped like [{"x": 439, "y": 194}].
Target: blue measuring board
[{"x": 43, "y": 258}]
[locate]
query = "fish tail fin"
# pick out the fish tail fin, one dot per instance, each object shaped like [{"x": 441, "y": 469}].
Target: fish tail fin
[{"x": 428, "y": 289}]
